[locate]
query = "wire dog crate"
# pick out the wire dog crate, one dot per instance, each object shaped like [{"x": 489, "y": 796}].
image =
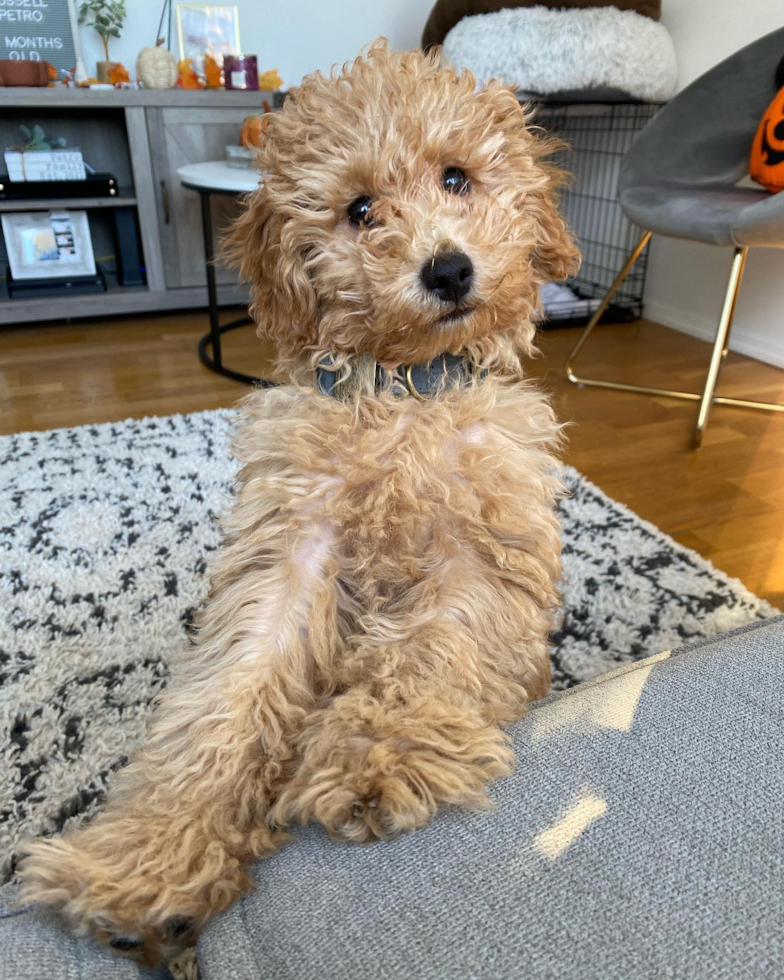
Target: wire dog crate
[{"x": 598, "y": 135}]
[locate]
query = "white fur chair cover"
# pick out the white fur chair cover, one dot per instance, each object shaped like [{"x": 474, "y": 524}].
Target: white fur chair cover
[{"x": 546, "y": 51}]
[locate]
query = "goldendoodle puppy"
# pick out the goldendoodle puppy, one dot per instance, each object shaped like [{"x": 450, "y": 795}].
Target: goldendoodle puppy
[{"x": 382, "y": 603}]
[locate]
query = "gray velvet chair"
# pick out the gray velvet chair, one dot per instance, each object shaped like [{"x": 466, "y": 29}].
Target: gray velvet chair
[{"x": 679, "y": 179}]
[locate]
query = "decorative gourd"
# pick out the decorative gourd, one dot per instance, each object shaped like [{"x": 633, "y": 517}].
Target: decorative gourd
[
  {"x": 767, "y": 150},
  {"x": 156, "y": 67},
  {"x": 253, "y": 130}
]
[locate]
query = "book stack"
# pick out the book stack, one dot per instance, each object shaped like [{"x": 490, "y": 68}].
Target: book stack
[{"x": 37, "y": 165}]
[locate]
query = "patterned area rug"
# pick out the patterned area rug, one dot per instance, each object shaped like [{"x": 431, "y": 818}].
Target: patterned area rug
[{"x": 105, "y": 535}]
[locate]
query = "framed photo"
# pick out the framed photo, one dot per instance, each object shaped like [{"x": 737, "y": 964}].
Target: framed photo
[
  {"x": 50, "y": 32},
  {"x": 212, "y": 29},
  {"x": 48, "y": 244}
]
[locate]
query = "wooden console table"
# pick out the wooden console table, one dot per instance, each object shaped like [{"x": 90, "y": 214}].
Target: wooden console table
[{"x": 142, "y": 137}]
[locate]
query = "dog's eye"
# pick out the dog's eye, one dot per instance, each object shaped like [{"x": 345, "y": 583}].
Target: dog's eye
[
  {"x": 359, "y": 212},
  {"x": 455, "y": 181}
]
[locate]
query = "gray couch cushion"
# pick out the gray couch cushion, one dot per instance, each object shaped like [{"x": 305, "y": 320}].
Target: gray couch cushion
[
  {"x": 640, "y": 837},
  {"x": 671, "y": 769}
]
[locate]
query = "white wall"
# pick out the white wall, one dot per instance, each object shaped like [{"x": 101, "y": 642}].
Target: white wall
[
  {"x": 686, "y": 282},
  {"x": 294, "y": 36}
]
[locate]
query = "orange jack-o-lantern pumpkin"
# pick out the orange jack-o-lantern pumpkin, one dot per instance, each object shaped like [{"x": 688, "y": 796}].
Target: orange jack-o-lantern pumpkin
[
  {"x": 767, "y": 150},
  {"x": 253, "y": 128}
]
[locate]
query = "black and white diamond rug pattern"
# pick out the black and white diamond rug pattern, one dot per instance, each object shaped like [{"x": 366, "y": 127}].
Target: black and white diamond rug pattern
[{"x": 105, "y": 536}]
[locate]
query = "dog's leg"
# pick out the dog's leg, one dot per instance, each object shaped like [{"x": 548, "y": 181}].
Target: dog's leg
[
  {"x": 385, "y": 755},
  {"x": 168, "y": 851},
  {"x": 376, "y": 764}
]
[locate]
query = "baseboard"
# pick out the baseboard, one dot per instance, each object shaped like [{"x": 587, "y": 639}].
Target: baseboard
[{"x": 749, "y": 342}]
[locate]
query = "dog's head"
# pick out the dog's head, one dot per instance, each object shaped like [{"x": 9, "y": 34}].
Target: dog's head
[{"x": 403, "y": 213}]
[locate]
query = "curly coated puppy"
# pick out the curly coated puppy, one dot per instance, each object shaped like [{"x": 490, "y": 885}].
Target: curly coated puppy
[{"x": 382, "y": 603}]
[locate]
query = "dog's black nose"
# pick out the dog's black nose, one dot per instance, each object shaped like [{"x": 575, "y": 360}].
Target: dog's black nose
[{"x": 448, "y": 276}]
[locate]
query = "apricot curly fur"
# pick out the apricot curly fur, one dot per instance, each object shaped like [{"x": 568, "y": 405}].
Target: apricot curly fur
[{"x": 382, "y": 603}]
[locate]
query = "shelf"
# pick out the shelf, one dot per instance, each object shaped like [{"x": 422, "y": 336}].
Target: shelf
[
  {"x": 116, "y": 300},
  {"x": 66, "y": 203},
  {"x": 86, "y": 98},
  {"x": 61, "y": 306},
  {"x": 116, "y": 128}
]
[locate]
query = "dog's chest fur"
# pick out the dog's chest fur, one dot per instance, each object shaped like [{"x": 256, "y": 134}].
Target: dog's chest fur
[{"x": 409, "y": 491}]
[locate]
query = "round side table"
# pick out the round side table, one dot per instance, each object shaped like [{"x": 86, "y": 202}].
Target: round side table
[{"x": 208, "y": 179}]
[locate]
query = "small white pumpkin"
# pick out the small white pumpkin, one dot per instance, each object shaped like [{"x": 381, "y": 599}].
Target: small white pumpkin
[{"x": 156, "y": 67}]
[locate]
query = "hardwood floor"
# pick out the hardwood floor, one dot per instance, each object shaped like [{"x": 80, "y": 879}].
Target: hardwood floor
[{"x": 725, "y": 501}]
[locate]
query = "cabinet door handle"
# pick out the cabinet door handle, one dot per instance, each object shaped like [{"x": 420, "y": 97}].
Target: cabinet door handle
[{"x": 165, "y": 199}]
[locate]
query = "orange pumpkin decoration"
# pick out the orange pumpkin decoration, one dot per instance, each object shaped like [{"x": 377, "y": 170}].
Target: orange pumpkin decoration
[
  {"x": 767, "y": 150},
  {"x": 253, "y": 130}
]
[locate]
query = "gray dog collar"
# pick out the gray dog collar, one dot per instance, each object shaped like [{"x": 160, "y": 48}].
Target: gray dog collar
[{"x": 422, "y": 381}]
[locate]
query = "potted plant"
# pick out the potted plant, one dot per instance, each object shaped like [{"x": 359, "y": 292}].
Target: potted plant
[{"x": 107, "y": 17}]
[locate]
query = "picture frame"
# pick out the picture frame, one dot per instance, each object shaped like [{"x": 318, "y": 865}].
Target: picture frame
[
  {"x": 51, "y": 33},
  {"x": 207, "y": 29},
  {"x": 48, "y": 244}
]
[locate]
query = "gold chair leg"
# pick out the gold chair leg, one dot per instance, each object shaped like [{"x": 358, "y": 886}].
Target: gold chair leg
[
  {"x": 707, "y": 397},
  {"x": 597, "y": 317},
  {"x": 721, "y": 343}
]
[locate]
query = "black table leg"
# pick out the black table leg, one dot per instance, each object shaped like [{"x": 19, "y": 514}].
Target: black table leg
[
  {"x": 212, "y": 289},
  {"x": 212, "y": 339}
]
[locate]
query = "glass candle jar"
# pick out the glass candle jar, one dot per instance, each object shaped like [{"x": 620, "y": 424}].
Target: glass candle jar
[{"x": 240, "y": 71}]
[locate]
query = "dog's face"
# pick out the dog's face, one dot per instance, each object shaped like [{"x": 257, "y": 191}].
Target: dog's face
[{"x": 402, "y": 214}]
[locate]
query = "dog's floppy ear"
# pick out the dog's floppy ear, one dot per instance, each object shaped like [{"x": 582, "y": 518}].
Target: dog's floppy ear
[
  {"x": 554, "y": 256},
  {"x": 283, "y": 301}
]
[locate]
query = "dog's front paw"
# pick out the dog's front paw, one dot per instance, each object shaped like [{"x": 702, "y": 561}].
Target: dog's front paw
[
  {"x": 150, "y": 944},
  {"x": 127, "y": 896},
  {"x": 118, "y": 912},
  {"x": 370, "y": 795},
  {"x": 371, "y": 771}
]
